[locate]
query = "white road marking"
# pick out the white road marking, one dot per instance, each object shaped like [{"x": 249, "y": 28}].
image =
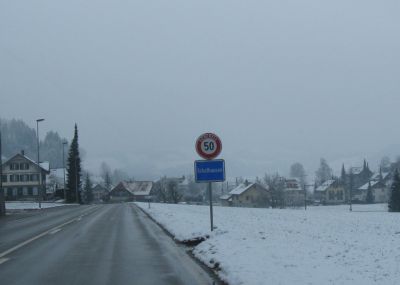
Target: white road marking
[
  {"x": 4, "y": 253},
  {"x": 55, "y": 231},
  {"x": 2, "y": 260}
]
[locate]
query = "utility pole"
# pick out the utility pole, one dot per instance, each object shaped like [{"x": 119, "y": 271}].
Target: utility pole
[
  {"x": 65, "y": 192},
  {"x": 350, "y": 189},
  {"x": 2, "y": 199},
  {"x": 211, "y": 205},
  {"x": 305, "y": 197},
  {"x": 40, "y": 190}
]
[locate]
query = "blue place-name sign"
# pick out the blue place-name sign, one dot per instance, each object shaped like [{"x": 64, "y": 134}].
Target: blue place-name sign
[{"x": 209, "y": 170}]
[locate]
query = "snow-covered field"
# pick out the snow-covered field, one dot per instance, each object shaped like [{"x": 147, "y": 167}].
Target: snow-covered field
[
  {"x": 30, "y": 205},
  {"x": 323, "y": 245}
]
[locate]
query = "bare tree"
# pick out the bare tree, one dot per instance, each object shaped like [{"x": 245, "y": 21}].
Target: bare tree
[
  {"x": 119, "y": 175},
  {"x": 323, "y": 173},
  {"x": 161, "y": 190},
  {"x": 276, "y": 185},
  {"x": 385, "y": 164},
  {"x": 105, "y": 172},
  {"x": 297, "y": 171},
  {"x": 173, "y": 192}
]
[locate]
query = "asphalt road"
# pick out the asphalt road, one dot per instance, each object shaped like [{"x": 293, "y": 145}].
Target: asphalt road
[{"x": 100, "y": 244}]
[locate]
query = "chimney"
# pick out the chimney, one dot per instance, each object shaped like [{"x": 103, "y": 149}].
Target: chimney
[{"x": 23, "y": 152}]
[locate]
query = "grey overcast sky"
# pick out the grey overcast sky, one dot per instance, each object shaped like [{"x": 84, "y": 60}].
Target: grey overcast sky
[{"x": 279, "y": 81}]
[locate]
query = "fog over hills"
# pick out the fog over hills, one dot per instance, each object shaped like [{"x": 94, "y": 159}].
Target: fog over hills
[{"x": 278, "y": 81}]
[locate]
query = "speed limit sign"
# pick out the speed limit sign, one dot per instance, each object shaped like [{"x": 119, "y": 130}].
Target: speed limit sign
[{"x": 208, "y": 146}]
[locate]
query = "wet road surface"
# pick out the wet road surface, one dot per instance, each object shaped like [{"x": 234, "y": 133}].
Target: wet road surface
[{"x": 99, "y": 244}]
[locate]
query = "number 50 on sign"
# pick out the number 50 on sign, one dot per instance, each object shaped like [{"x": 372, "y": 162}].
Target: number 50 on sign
[{"x": 208, "y": 146}]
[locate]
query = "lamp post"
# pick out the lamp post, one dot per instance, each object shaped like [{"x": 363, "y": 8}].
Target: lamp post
[
  {"x": 38, "y": 163},
  {"x": 351, "y": 189},
  {"x": 2, "y": 196},
  {"x": 65, "y": 192}
]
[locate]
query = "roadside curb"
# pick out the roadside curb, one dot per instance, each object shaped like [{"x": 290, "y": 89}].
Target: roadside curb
[{"x": 189, "y": 245}]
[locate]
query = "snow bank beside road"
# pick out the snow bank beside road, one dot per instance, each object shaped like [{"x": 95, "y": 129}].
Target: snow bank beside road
[
  {"x": 30, "y": 205},
  {"x": 323, "y": 245}
]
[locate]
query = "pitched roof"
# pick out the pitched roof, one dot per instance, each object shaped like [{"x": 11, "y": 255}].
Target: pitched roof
[
  {"x": 43, "y": 165},
  {"x": 293, "y": 184},
  {"x": 225, "y": 197},
  {"x": 365, "y": 186},
  {"x": 325, "y": 185},
  {"x": 240, "y": 189},
  {"x": 138, "y": 188},
  {"x": 243, "y": 188}
]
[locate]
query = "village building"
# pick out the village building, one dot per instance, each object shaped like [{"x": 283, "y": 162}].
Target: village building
[
  {"x": 331, "y": 192},
  {"x": 23, "y": 178},
  {"x": 100, "y": 193},
  {"x": 247, "y": 195},
  {"x": 132, "y": 191},
  {"x": 293, "y": 193},
  {"x": 380, "y": 186},
  {"x": 55, "y": 183},
  {"x": 359, "y": 175}
]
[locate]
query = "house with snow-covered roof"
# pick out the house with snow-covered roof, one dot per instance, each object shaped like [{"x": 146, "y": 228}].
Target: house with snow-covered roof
[
  {"x": 293, "y": 192},
  {"x": 330, "y": 192},
  {"x": 380, "y": 192},
  {"x": 132, "y": 191},
  {"x": 100, "y": 193},
  {"x": 248, "y": 195},
  {"x": 23, "y": 178}
]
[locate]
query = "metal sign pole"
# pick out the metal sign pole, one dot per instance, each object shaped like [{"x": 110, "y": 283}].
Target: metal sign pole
[{"x": 211, "y": 207}]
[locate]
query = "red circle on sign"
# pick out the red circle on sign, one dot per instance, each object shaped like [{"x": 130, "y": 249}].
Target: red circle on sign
[{"x": 208, "y": 146}]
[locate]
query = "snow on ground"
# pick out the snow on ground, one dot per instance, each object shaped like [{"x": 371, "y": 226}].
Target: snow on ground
[
  {"x": 30, "y": 205},
  {"x": 323, "y": 245}
]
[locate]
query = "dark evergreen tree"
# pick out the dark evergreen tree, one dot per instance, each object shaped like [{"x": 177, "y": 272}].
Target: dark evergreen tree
[
  {"x": 74, "y": 182},
  {"x": 343, "y": 175},
  {"x": 370, "y": 197},
  {"x": 88, "y": 189},
  {"x": 394, "y": 201}
]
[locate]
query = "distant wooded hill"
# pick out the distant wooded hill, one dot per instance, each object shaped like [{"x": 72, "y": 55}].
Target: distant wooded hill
[{"x": 18, "y": 136}]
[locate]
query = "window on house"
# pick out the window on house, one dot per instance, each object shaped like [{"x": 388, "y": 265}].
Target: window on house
[
  {"x": 33, "y": 177},
  {"x": 20, "y": 191},
  {"x": 247, "y": 198},
  {"x": 4, "y": 178},
  {"x": 30, "y": 191},
  {"x": 331, "y": 195},
  {"x": 9, "y": 192},
  {"x": 16, "y": 166}
]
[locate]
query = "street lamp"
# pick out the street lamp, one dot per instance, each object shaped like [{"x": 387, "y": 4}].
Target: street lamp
[
  {"x": 65, "y": 192},
  {"x": 2, "y": 196},
  {"x": 38, "y": 163}
]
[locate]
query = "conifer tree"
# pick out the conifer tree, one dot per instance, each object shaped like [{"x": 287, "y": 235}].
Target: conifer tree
[
  {"x": 394, "y": 201},
  {"x": 74, "y": 171},
  {"x": 88, "y": 189},
  {"x": 343, "y": 175},
  {"x": 370, "y": 197}
]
